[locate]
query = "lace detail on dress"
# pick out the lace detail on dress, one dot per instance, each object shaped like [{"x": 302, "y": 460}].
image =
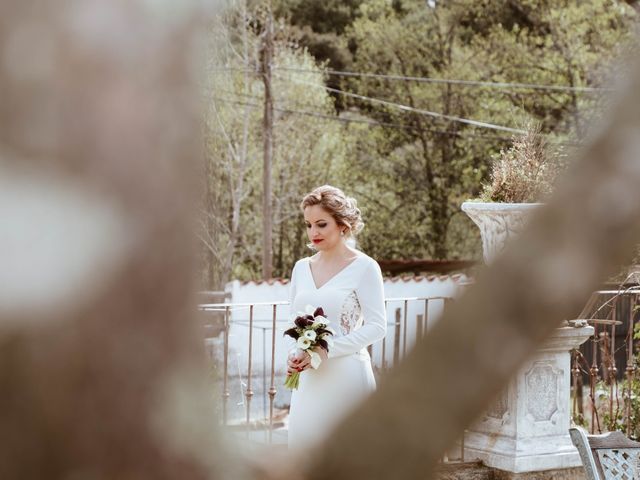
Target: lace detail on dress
[{"x": 350, "y": 313}]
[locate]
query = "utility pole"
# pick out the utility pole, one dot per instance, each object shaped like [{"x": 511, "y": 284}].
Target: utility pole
[{"x": 266, "y": 56}]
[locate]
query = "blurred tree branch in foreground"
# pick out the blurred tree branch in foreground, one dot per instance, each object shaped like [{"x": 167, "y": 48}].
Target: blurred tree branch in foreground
[{"x": 102, "y": 366}]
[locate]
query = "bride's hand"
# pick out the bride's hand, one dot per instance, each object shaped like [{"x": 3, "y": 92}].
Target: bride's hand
[
  {"x": 293, "y": 361},
  {"x": 304, "y": 361}
]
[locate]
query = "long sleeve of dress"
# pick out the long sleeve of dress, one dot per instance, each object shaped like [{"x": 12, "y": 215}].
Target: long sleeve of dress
[
  {"x": 370, "y": 293},
  {"x": 290, "y": 342},
  {"x": 292, "y": 290}
]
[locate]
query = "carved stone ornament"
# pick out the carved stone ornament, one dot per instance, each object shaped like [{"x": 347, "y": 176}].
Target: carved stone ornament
[
  {"x": 498, "y": 222},
  {"x": 541, "y": 386}
]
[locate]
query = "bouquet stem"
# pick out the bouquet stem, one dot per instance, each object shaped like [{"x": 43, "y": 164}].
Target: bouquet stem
[{"x": 292, "y": 381}]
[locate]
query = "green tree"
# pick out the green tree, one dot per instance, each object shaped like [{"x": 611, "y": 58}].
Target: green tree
[
  {"x": 431, "y": 164},
  {"x": 550, "y": 42},
  {"x": 320, "y": 27},
  {"x": 307, "y": 148},
  {"x": 409, "y": 170}
]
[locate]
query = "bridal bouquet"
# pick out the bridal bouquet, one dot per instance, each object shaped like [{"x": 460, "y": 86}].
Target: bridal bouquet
[{"x": 311, "y": 330}]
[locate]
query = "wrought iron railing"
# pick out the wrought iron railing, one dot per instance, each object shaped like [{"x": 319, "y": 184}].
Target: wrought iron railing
[
  {"x": 410, "y": 318},
  {"x": 604, "y": 369}
]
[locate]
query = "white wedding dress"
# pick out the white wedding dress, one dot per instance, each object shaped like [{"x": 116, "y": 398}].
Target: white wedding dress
[{"x": 353, "y": 301}]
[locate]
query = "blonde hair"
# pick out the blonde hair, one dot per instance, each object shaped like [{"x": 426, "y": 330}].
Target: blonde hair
[{"x": 343, "y": 209}]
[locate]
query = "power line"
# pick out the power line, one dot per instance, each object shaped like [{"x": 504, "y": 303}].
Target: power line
[
  {"x": 468, "y": 83},
  {"x": 257, "y": 97},
  {"x": 366, "y": 121},
  {"x": 471, "y": 83},
  {"x": 407, "y": 108}
]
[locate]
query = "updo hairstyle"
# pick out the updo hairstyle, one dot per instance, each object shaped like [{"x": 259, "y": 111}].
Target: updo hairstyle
[{"x": 343, "y": 209}]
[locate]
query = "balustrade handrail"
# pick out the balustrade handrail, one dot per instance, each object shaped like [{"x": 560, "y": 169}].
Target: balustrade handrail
[
  {"x": 208, "y": 306},
  {"x": 385, "y": 356}
]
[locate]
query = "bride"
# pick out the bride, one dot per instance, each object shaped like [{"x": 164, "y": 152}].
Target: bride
[{"x": 348, "y": 285}]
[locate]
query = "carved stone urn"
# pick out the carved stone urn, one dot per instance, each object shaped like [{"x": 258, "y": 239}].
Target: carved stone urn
[
  {"x": 526, "y": 428},
  {"x": 498, "y": 222}
]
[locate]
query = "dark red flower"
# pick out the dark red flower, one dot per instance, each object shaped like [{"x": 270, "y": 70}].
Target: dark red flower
[
  {"x": 321, "y": 331},
  {"x": 319, "y": 311},
  {"x": 300, "y": 322},
  {"x": 293, "y": 333}
]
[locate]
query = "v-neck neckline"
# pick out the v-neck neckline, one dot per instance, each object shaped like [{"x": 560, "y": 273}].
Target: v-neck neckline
[{"x": 313, "y": 280}]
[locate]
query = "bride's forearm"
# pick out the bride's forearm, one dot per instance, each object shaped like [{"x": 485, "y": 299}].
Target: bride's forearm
[{"x": 357, "y": 340}]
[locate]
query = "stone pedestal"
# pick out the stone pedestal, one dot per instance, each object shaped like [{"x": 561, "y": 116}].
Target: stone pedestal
[{"x": 526, "y": 428}]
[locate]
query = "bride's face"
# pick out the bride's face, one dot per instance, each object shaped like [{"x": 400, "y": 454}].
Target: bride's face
[{"x": 323, "y": 231}]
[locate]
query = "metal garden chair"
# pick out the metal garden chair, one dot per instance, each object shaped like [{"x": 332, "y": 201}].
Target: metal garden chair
[{"x": 610, "y": 456}]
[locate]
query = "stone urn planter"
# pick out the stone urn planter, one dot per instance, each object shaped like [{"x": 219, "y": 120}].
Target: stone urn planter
[
  {"x": 526, "y": 428},
  {"x": 498, "y": 222}
]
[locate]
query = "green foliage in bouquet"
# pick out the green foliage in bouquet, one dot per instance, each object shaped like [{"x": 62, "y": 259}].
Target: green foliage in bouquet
[{"x": 524, "y": 172}]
